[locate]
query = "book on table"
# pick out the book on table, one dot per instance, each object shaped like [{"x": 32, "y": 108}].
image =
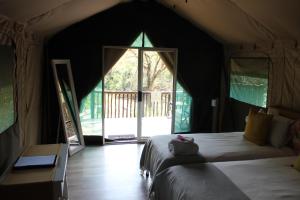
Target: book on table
[{"x": 25, "y": 162}]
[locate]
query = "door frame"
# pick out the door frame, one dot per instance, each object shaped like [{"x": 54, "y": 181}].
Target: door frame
[{"x": 140, "y": 86}]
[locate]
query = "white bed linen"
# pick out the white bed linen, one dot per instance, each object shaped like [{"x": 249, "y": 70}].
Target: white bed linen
[
  {"x": 213, "y": 147},
  {"x": 272, "y": 178},
  {"x": 262, "y": 179}
]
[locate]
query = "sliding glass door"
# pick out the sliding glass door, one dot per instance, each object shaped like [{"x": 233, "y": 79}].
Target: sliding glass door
[
  {"x": 120, "y": 92},
  {"x": 138, "y": 92},
  {"x": 158, "y": 72}
]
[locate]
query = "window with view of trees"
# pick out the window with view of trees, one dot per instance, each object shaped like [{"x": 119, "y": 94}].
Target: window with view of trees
[
  {"x": 249, "y": 80},
  {"x": 156, "y": 77},
  {"x": 7, "y": 114}
]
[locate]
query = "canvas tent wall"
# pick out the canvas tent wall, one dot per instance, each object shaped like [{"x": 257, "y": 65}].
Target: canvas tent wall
[
  {"x": 251, "y": 29},
  {"x": 199, "y": 56},
  {"x": 254, "y": 29},
  {"x": 246, "y": 28},
  {"x": 27, "y": 86},
  {"x": 284, "y": 85}
]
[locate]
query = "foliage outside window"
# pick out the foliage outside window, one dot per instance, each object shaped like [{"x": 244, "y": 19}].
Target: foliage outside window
[
  {"x": 182, "y": 110},
  {"x": 249, "y": 80},
  {"x": 7, "y": 114},
  {"x": 91, "y": 105}
]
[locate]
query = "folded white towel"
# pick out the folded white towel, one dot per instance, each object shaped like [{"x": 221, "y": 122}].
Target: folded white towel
[
  {"x": 183, "y": 146},
  {"x": 184, "y": 138}
]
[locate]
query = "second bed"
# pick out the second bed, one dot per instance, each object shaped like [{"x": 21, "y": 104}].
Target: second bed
[
  {"x": 213, "y": 147},
  {"x": 262, "y": 179}
]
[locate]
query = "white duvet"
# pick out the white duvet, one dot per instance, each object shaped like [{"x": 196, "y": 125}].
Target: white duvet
[
  {"x": 262, "y": 179},
  {"x": 213, "y": 147}
]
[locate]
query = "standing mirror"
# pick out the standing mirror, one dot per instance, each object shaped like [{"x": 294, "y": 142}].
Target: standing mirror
[{"x": 68, "y": 105}]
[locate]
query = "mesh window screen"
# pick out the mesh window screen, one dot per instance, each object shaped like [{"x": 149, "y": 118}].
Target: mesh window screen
[
  {"x": 91, "y": 112},
  {"x": 182, "y": 110},
  {"x": 249, "y": 80}
]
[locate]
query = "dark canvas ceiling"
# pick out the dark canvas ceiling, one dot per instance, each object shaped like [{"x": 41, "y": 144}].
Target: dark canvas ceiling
[{"x": 231, "y": 21}]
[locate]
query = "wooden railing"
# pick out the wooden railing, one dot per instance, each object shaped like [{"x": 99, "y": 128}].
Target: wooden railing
[{"x": 124, "y": 104}]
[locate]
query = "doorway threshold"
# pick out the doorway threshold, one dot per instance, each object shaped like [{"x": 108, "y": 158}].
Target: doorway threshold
[
  {"x": 122, "y": 137},
  {"x": 132, "y": 140}
]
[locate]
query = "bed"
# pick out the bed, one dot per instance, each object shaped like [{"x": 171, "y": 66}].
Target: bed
[
  {"x": 213, "y": 147},
  {"x": 261, "y": 179}
]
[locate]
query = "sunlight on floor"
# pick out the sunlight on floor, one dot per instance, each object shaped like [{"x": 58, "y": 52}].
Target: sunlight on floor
[{"x": 126, "y": 126}]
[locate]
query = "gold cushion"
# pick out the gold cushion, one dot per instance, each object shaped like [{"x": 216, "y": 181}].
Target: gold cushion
[
  {"x": 297, "y": 164},
  {"x": 258, "y": 127}
]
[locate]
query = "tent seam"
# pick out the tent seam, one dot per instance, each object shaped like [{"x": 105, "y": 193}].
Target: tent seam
[
  {"x": 268, "y": 30},
  {"x": 39, "y": 16}
]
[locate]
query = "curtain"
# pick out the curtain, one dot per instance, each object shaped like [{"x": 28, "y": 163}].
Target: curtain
[
  {"x": 86, "y": 78},
  {"x": 169, "y": 59},
  {"x": 182, "y": 112},
  {"x": 87, "y": 68},
  {"x": 111, "y": 56},
  {"x": 197, "y": 114},
  {"x": 27, "y": 90},
  {"x": 199, "y": 55},
  {"x": 183, "y": 101},
  {"x": 91, "y": 104}
]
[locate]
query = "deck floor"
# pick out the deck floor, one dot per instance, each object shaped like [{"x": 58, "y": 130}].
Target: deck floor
[
  {"x": 151, "y": 126},
  {"x": 109, "y": 172}
]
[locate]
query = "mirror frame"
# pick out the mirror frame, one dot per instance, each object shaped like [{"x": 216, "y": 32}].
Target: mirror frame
[{"x": 66, "y": 62}]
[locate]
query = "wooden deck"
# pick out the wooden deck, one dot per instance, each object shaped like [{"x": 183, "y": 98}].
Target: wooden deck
[{"x": 151, "y": 126}]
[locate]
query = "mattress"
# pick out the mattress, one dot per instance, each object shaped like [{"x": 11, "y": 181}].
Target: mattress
[
  {"x": 213, "y": 147},
  {"x": 261, "y": 179}
]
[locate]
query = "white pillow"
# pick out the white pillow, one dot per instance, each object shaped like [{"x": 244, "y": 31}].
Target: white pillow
[{"x": 279, "y": 129}]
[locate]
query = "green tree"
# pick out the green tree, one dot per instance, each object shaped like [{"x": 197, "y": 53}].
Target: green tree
[{"x": 123, "y": 76}]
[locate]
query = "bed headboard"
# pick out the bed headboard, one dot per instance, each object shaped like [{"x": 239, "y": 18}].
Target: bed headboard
[{"x": 276, "y": 110}]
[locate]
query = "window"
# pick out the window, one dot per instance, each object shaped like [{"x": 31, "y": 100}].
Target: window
[
  {"x": 7, "y": 114},
  {"x": 249, "y": 80},
  {"x": 183, "y": 98},
  {"x": 91, "y": 105},
  {"x": 142, "y": 41},
  {"x": 183, "y": 110}
]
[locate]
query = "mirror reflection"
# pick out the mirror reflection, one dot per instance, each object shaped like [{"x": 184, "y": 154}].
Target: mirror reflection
[{"x": 68, "y": 105}]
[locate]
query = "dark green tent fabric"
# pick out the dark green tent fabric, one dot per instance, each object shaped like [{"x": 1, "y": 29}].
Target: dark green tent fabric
[{"x": 199, "y": 56}]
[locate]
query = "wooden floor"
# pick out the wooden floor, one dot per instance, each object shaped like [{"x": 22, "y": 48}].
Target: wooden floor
[{"x": 108, "y": 172}]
